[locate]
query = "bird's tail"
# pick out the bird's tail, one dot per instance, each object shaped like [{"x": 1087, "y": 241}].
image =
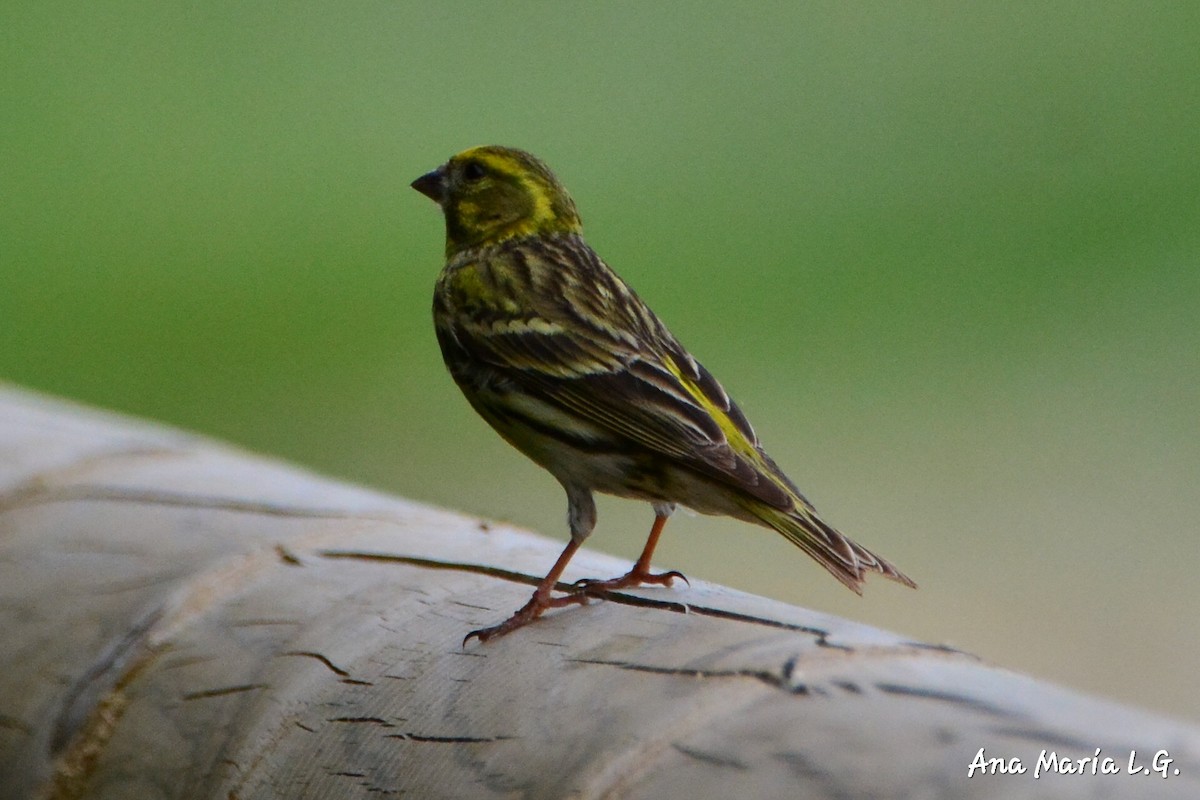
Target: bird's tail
[{"x": 845, "y": 559}]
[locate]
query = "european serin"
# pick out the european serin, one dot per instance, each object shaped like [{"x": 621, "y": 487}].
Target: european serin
[{"x": 576, "y": 372}]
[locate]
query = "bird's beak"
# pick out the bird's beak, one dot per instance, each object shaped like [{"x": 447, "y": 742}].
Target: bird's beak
[{"x": 432, "y": 185}]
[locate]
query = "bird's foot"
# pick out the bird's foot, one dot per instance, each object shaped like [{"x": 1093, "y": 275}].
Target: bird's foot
[
  {"x": 537, "y": 605},
  {"x": 635, "y": 577}
]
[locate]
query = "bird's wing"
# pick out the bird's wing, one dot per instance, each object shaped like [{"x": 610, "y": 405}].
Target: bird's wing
[
  {"x": 670, "y": 403},
  {"x": 618, "y": 368}
]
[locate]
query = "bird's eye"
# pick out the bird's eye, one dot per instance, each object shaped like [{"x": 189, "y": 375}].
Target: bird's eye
[{"x": 472, "y": 171}]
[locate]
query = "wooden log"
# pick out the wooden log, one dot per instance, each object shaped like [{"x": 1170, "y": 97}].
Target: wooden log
[{"x": 180, "y": 619}]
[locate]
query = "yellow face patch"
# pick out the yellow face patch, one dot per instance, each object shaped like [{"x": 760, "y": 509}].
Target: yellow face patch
[
  {"x": 539, "y": 192},
  {"x": 493, "y": 194}
]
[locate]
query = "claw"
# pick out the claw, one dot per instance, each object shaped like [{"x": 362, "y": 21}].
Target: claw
[
  {"x": 629, "y": 580},
  {"x": 526, "y": 614},
  {"x": 670, "y": 576}
]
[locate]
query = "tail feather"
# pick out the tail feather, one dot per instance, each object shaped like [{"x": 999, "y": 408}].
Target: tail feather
[{"x": 845, "y": 559}]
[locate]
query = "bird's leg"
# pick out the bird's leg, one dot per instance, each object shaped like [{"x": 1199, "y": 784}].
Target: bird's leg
[
  {"x": 538, "y": 603},
  {"x": 640, "y": 575}
]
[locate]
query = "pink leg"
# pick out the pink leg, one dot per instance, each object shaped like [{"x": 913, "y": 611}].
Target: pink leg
[
  {"x": 538, "y": 603},
  {"x": 640, "y": 575}
]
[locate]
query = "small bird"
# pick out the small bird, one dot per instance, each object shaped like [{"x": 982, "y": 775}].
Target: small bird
[{"x": 560, "y": 356}]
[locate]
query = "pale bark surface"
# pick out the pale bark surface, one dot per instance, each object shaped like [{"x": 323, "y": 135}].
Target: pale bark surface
[{"x": 179, "y": 619}]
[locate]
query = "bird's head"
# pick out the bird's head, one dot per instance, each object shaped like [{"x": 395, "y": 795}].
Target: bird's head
[{"x": 490, "y": 194}]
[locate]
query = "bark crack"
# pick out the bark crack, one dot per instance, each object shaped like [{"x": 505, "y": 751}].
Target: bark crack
[
  {"x": 222, "y": 691},
  {"x": 80, "y": 754},
  {"x": 780, "y": 680},
  {"x": 713, "y": 759},
  {"x": 1044, "y": 737},
  {"x": 418, "y": 737},
  {"x": 952, "y": 698},
  {"x": 621, "y": 598},
  {"x": 101, "y": 677},
  {"x": 13, "y": 724},
  {"x": 33, "y": 486},
  {"x": 827, "y": 783},
  {"x": 380, "y": 721},
  {"x": 334, "y": 668}
]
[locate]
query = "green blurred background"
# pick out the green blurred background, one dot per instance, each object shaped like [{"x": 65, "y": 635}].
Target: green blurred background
[{"x": 947, "y": 258}]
